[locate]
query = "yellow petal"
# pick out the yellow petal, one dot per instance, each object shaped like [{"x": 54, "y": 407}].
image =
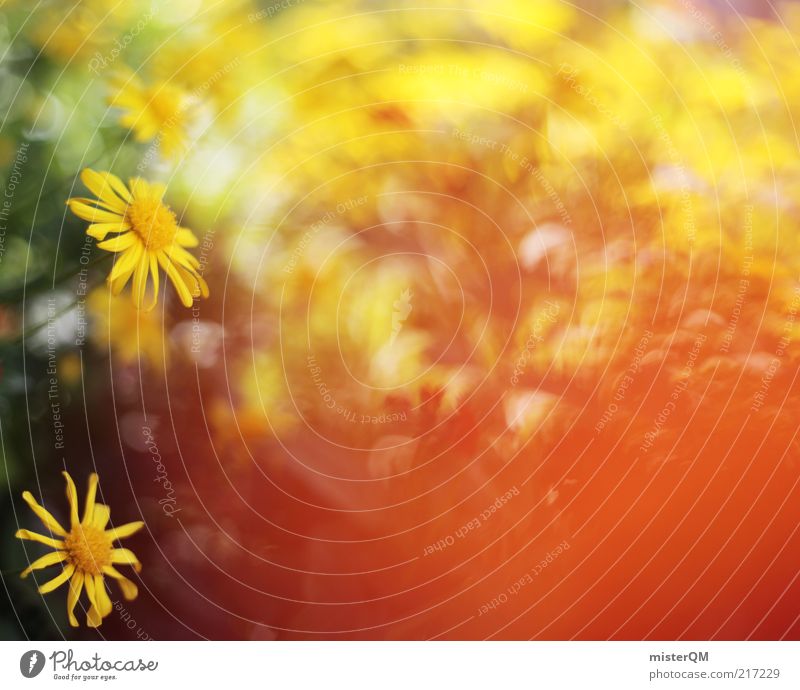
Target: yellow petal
[
  {"x": 96, "y": 204},
  {"x": 172, "y": 273},
  {"x": 182, "y": 258},
  {"x": 100, "y": 230},
  {"x": 125, "y": 557},
  {"x": 101, "y": 596},
  {"x": 107, "y": 187},
  {"x": 91, "y": 493},
  {"x": 125, "y": 263},
  {"x": 186, "y": 238},
  {"x": 124, "y": 531},
  {"x": 93, "y": 617},
  {"x": 59, "y": 580},
  {"x": 45, "y": 561},
  {"x": 120, "y": 281},
  {"x": 119, "y": 243},
  {"x": 129, "y": 590},
  {"x": 157, "y": 191},
  {"x": 72, "y": 498},
  {"x": 154, "y": 275},
  {"x": 139, "y": 187},
  {"x": 193, "y": 281},
  {"x": 140, "y": 280},
  {"x": 204, "y": 292},
  {"x": 93, "y": 215},
  {"x": 33, "y": 536},
  {"x": 101, "y": 515},
  {"x": 48, "y": 520},
  {"x": 74, "y": 593}
]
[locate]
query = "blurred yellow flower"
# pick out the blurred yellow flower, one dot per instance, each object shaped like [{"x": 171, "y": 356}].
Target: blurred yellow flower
[
  {"x": 128, "y": 334},
  {"x": 160, "y": 113},
  {"x": 88, "y": 551},
  {"x": 148, "y": 236}
]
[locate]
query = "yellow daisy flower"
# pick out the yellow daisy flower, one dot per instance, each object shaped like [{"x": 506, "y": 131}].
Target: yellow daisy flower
[
  {"x": 159, "y": 113},
  {"x": 88, "y": 551},
  {"x": 148, "y": 236}
]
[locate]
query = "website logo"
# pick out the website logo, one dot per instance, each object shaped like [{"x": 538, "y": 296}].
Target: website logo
[{"x": 31, "y": 663}]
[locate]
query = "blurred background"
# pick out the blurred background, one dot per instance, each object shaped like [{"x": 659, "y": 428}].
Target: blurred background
[{"x": 501, "y": 339}]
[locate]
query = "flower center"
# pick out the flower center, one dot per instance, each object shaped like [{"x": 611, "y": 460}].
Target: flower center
[
  {"x": 153, "y": 222},
  {"x": 89, "y": 549}
]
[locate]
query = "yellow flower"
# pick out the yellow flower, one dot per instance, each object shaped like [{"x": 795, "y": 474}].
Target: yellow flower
[
  {"x": 128, "y": 334},
  {"x": 158, "y": 113},
  {"x": 88, "y": 551},
  {"x": 148, "y": 236}
]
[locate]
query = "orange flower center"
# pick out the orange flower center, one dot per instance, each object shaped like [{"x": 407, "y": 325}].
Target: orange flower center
[
  {"x": 89, "y": 549},
  {"x": 153, "y": 222}
]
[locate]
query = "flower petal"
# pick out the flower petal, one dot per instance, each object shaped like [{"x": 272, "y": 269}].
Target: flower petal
[
  {"x": 48, "y": 520},
  {"x": 74, "y": 593},
  {"x": 93, "y": 617},
  {"x": 124, "y": 531},
  {"x": 125, "y": 263},
  {"x": 101, "y": 596},
  {"x": 181, "y": 257},
  {"x": 33, "y": 536},
  {"x": 140, "y": 280},
  {"x": 154, "y": 275},
  {"x": 126, "y": 557},
  {"x": 107, "y": 187},
  {"x": 129, "y": 589},
  {"x": 100, "y": 230},
  {"x": 94, "y": 215},
  {"x": 194, "y": 282},
  {"x": 186, "y": 238},
  {"x": 139, "y": 187},
  {"x": 72, "y": 498},
  {"x": 59, "y": 580},
  {"x": 101, "y": 515},
  {"x": 157, "y": 190},
  {"x": 91, "y": 493},
  {"x": 119, "y": 243},
  {"x": 95, "y": 204},
  {"x": 184, "y": 293},
  {"x": 48, "y": 559}
]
